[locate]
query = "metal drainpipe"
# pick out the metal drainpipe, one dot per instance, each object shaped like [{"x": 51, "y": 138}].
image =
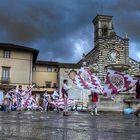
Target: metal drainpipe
[
  {"x": 58, "y": 77},
  {"x": 30, "y": 69}
]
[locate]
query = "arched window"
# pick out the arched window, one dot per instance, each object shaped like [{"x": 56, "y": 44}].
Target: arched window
[{"x": 104, "y": 30}]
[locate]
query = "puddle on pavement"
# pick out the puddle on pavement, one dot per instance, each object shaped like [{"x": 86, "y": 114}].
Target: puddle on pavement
[
  {"x": 137, "y": 124},
  {"x": 128, "y": 116},
  {"x": 28, "y": 113},
  {"x": 44, "y": 117}
]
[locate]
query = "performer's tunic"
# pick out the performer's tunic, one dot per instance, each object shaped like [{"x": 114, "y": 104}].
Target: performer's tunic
[
  {"x": 138, "y": 90},
  {"x": 95, "y": 99},
  {"x": 8, "y": 101},
  {"x": 46, "y": 100},
  {"x": 19, "y": 98},
  {"x": 55, "y": 95},
  {"x": 64, "y": 91}
]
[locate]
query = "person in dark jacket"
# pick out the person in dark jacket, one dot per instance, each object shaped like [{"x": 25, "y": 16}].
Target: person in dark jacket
[
  {"x": 137, "y": 97},
  {"x": 64, "y": 90}
]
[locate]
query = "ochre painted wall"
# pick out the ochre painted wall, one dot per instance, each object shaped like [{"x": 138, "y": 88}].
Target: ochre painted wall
[
  {"x": 20, "y": 64},
  {"x": 40, "y": 75}
]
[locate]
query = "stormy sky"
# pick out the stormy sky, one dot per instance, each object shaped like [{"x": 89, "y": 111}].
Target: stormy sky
[{"x": 62, "y": 29}]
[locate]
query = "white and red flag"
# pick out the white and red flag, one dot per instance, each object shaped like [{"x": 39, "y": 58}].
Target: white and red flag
[
  {"x": 27, "y": 98},
  {"x": 117, "y": 82},
  {"x": 60, "y": 102},
  {"x": 87, "y": 80}
]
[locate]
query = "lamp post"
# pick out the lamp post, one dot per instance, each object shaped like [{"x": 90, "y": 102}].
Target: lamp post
[{"x": 84, "y": 61}]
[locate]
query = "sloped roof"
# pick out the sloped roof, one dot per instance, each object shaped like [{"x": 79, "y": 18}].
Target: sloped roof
[
  {"x": 69, "y": 65},
  {"x": 21, "y": 48},
  {"x": 50, "y": 63}
]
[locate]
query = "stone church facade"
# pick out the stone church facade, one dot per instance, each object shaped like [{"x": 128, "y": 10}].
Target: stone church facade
[{"x": 110, "y": 48}]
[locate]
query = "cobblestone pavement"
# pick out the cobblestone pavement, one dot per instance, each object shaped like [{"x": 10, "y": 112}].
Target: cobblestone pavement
[{"x": 78, "y": 126}]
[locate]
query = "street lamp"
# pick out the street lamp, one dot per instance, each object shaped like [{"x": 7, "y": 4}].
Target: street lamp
[{"x": 84, "y": 60}]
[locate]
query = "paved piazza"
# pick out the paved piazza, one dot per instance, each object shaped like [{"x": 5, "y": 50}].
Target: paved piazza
[{"x": 78, "y": 126}]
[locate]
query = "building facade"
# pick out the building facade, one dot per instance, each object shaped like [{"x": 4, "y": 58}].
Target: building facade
[
  {"x": 16, "y": 64},
  {"x": 45, "y": 76}
]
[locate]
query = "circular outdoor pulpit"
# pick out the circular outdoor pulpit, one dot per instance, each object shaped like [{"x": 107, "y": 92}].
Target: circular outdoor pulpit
[
  {"x": 130, "y": 101},
  {"x": 118, "y": 67}
]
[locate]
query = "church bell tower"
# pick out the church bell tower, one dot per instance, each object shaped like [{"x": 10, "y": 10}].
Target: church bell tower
[
  {"x": 109, "y": 48},
  {"x": 103, "y": 26}
]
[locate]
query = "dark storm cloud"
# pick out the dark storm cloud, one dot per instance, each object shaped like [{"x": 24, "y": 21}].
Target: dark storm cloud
[
  {"x": 127, "y": 17},
  {"x": 66, "y": 49},
  {"x": 62, "y": 29},
  {"x": 127, "y": 21}
]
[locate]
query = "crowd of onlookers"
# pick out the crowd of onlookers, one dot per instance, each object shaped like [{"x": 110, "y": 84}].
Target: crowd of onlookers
[{"x": 24, "y": 100}]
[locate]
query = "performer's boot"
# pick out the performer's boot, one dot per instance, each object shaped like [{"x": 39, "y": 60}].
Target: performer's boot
[
  {"x": 57, "y": 110},
  {"x": 19, "y": 112},
  {"x": 96, "y": 112},
  {"x": 64, "y": 113},
  {"x": 136, "y": 113},
  {"x": 91, "y": 113}
]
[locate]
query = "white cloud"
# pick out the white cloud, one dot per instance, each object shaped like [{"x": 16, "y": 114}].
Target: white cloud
[
  {"x": 81, "y": 46},
  {"x": 133, "y": 51}
]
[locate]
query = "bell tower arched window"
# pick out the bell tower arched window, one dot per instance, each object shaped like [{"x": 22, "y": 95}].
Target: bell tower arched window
[{"x": 104, "y": 30}]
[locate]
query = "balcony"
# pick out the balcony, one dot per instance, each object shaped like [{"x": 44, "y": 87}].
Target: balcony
[{"x": 5, "y": 80}]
